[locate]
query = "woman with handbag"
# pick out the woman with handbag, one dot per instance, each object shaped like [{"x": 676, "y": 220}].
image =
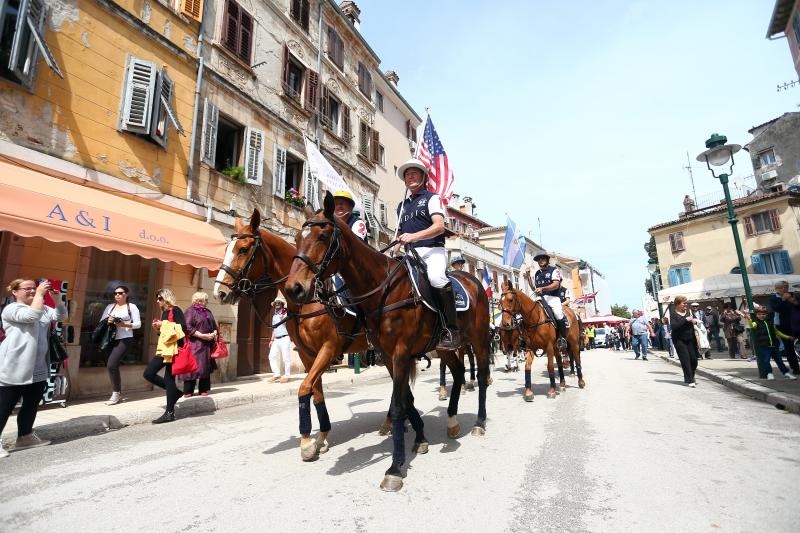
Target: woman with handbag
[
  {"x": 171, "y": 315},
  {"x": 24, "y": 365},
  {"x": 683, "y": 337},
  {"x": 201, "y": 328},
  {"x": 124, "y": 317}
]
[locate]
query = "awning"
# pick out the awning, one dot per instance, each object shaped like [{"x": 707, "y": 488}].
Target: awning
[
  {"x": 727, "y": 286},
  {"x": 33, "y": 204}
]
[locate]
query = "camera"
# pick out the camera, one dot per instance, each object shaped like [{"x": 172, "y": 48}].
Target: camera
[{"x": 117, "y": 320}]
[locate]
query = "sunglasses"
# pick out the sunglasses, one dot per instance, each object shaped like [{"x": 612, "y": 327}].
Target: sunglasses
[
  {"x": 118, "y": 293},
  {"x": 160, "y": 298}
]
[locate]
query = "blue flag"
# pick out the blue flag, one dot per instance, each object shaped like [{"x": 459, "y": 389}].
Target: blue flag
[{"x": 513, "y": 246}]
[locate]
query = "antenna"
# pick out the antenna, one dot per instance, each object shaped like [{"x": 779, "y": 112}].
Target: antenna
[{"x": 691, "y": 177}]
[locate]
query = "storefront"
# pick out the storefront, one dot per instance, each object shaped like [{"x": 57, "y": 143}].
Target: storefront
[{"x": 95, "y": 240}]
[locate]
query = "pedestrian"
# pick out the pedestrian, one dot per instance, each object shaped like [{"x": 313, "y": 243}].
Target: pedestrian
[
  {"x": 125, "y": 317},
  {"x": 703, "y": 346},
  {"x": 623, "y": 337},
  {"x": 165, "y": 351},
  {"x": 684, "y": 339},
  {"x": 666, "y": 327},
  {"x": 731, "y": 328},
  {"x": 201, "y": 328},
  {"x": 638, "y": 331},
  {"x": 785, "y": 311},
  {"x": 24, "y": 364},
  {"x": 591, "y": 332},
  {"x": 712, "y": 325},
  {"x": 280, "y": 344},
  {"x": 767, "y": 341}
]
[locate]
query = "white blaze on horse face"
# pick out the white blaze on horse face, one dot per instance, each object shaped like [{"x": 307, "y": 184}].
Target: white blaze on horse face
[
  {"x": 306, "y": 232},
  {"x": 229, "y": 255}
]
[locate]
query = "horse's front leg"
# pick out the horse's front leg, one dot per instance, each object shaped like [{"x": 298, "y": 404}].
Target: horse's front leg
[
  {"x": 393, "y": 478},
  {"x": 456, "y": 366},
  {"x": 528, "y": 394},
  {"x": 479, "y": 429},
  {"x": 551, "y": 371},
  {"x": 560, "y": 362},
  {"x": 312, "y": 386}
]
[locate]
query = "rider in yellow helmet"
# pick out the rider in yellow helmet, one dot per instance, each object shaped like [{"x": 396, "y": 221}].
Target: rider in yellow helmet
[{"x": 343, "y": 208}]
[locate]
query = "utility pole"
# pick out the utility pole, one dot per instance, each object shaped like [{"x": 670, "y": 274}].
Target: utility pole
[{"x": 691, "y": 177}]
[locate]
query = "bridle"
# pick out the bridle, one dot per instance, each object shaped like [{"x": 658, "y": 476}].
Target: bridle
[
  {"x": 242, "y": 285},
  {"x": 333, "y": 248},
  {"x": 516, "y": 322}
]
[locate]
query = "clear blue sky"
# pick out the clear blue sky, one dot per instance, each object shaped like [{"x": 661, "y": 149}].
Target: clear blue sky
[{"x": 581, "y": 113}]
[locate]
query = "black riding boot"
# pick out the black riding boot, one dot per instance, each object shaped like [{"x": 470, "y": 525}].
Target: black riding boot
[
  {"x": 451, "y": 339},
  {"x": 561, "y": 331}
]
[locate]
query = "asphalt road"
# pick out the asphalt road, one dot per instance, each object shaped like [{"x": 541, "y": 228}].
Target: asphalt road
[{"x": 634, "y": 451}]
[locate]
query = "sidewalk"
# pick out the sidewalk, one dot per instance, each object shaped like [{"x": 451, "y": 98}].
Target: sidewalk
[
  {"x": 741, "y": 375},
  {"x": 89, "y": 417}
]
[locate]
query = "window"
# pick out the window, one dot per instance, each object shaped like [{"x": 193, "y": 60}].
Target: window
[
  {"x": 224, "y": 144},
  {"x": 301, "y": 84},
  {"x": 294, "y": 172},
  {"x": 364, "y": 81},
  {"x": 335, "y": 48},
  {"x": 379, "y": 101},
  {"x": 192, "y": 9},
  {"x": 238, "y": 31},
  {"x": 676, "y": 242},
  {"x": 383, "y": 217},
  {"x": 299, "y": 9},
  {"x": 22, "y": 40},
  {"x": 335, "y": 115},
  {"x": 763, "y": 222},
  {"x": 363, "y": 140},
  {"x": 287, "y": 172},
  {"x": 147, "y": 102},
  {"x": 774, "y": 262},
  {"x": 382, "y": 155},
  {"x": 766, "y": 157},
  {"x": 679, "y": 276},
  {"x": 411, "y": 131}
]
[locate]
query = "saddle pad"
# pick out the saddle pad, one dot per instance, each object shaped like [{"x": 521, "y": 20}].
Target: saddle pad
[
  {"x": 423, "y": 288},
  {"x": 343, "y": 298}
]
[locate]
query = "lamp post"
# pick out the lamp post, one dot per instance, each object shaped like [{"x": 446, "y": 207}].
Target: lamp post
[{"x": 652, "y": 267}]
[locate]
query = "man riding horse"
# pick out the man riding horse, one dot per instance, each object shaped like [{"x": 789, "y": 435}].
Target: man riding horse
[
  {"x": 421, "y": 226},
  {"x": 343, "y": 208},
  {"x": 547, "y": 283}
]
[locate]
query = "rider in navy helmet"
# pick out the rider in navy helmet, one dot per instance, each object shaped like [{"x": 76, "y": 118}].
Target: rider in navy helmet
[
  {"x": 547, "y": 283},
  {"x": 457, "y": 262}
]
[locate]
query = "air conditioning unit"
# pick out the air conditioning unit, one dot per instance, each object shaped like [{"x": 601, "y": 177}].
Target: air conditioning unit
[
  {"x": 770, "y": 175},
  {"x": 412, "y": 147}
]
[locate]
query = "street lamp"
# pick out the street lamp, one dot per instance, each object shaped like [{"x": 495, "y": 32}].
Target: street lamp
[
  {"x": 718, "y": 153},
  {"x": 652, "y": 267}
]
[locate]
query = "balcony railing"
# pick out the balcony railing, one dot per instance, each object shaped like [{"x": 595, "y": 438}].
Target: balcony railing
[{"x": 739, "y": 187}]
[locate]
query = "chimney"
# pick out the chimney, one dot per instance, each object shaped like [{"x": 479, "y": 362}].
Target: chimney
[
  {"x": 469, "y": 207},
  {"x": 351, "y": 11},
  {"x": 392, "y": 77}
]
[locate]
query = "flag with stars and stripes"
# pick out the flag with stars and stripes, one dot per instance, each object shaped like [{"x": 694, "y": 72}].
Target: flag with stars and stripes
[{"x": 433, "y": 156}]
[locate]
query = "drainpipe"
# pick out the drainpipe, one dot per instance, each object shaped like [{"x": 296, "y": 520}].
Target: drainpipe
[
  {"x": 195, "y": 112},
  {"x": 318, "y": 122}
]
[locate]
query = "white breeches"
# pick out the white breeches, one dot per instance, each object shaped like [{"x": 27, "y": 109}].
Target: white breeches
[
  {"x": 436, "y": 260},
  {"x": 281, "y": 350},
  {"x": 555, "y": 304}
]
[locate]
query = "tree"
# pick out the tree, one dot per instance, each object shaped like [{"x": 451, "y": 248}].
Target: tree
[
  {"x": 648, "y": 287},
  {"x": 620, "y": 310}
]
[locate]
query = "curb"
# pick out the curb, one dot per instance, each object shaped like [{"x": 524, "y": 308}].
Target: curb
[
  {"x": 781, "y": 400},
  {"x": 85, "y": 426}
]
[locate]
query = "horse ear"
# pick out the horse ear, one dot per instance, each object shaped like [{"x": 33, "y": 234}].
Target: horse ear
[
  {"x": 308, "y": 212},
  {"x": 328, "y": 205},
  {"x": 255, "y": 220}
]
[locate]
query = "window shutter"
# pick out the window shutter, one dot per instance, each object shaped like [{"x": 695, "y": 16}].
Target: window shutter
[
  {"x": 679, "y": 241},
  {"x": 375, "y": 147},
  {"x": 304, "y": 14},
  {"x": 245, "y": 37},
  {"x": 311, "y": 188},
  {"x": 673, "y": 277},
  {"x": 29, "y": 41},
  {"x": 347, "y": 132},
  {"x": 408, "y": 129},
  {"x": 774, "y": 219},
  {"x": 382, "y": 215},
  {"x": 285, "y": 68},
  {"x": 279, "y": 172},
  {"x": 231, "y": 18},
  {"x": 672, "y": 243},
  {"x": 363, "y": 141},
  {"x": 785, "y": 262},
  {"x": 254, "y": 156},
  {"x": 686, "y": 276},
  {"x": 208, "y": 140},
  {"x": 748, "y": 226},
  {"x": 312, "y": 89},
  {"x": 758, "y": 264},
  {"x": 325, "y": 107},
  {"x": 137, "y": 106},
  {"x": 193, "y": 9},
  {"x": 163, "y": 112},
  {"x": 294, "y": 9}
]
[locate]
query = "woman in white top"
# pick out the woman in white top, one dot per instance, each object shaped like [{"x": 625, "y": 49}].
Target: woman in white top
[{"x": 126, "y": 317}]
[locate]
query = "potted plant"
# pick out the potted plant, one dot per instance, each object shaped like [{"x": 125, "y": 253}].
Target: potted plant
[
  {"x": 235, "y": 173},
  {"x": 293, "y": 197}
]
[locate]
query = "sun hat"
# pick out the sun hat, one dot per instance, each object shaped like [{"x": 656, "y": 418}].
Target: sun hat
[
  {"x": 346, "y": 195},
  {"x": 541, "y": 256},
  {"x": 411, "y": 163},
  {"x": 457, "y": 259}
]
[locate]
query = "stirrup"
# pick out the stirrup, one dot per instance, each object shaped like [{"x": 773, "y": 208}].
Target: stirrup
[
  {"x": 449, "y": 340},
  {"x": 561, "y": 343}
]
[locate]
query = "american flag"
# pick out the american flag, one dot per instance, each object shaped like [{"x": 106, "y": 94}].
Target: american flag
[{"x": 433, "y": 156}]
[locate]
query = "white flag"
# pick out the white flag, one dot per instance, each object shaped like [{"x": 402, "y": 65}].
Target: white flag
[{"x": 323, "y": 172}]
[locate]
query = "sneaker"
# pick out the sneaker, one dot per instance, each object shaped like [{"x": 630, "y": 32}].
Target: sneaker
[
  {"x": 693, "y": 385},
  {"x": 284, "y": 380},
  {"x": 31, "y": 440},
  {"x": 770, "y": 376},
  {"x": 168, "y": 416},
  {"x": 789, "y": 375},
  {"x": 637, "y": 356},
  {"x": 644, "y": 358},
  {"x": 116, "y": 397}
]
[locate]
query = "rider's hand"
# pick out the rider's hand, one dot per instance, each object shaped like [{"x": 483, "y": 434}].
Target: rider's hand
[{"x": 406, "y": 238}]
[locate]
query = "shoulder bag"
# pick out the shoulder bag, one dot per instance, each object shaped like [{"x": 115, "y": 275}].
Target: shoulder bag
[
  {"x": 56, "y": 352},
  {"x": 220, "y": 350},
  {"x": 183, "y": 362}
]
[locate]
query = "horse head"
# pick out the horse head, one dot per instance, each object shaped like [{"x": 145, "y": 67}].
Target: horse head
[
  {"x": 243, "y": 270},
  {"x": 510, "y": 307},
  {"x": 318, "y": 245}
]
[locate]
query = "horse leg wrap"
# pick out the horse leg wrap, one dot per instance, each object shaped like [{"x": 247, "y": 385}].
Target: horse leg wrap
[
  {"x": 398, "y": 441},
  {"x": 322, "y": 415},
  {"x": 416, "y": 422},
  {"x": 579, "y": 371},
  {"x": 561, "y": 372},
  {"x": 528, "y": 379},
  {"x": 305, "y": 414},
  {"x": 552, "y": 379}
]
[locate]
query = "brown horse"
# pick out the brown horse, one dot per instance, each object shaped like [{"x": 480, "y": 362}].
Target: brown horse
[
  {"x": 257, "y": 261},
  {"x": 398, "y": 323},
  {"x": 539, "y": 332}
]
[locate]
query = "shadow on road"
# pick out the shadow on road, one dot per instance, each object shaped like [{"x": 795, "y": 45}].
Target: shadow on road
[{"x": 671, "y": 382}]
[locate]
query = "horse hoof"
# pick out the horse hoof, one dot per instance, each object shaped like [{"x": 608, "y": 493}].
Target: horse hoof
[
  {"x": 563, "y": 386},
  {"x": 551, "y": 394},
  {"x": 420, "y": 447},
  {"x": 478, "y": 431},
  {"x": 309, "y": 453},
  {"x": 528, "y": 397},
  {"x": 454, "y": 431},
  {"x": 324, "y": 447},
  {"x": 571, "y": 372},
  {"x": 442, "y": 396},
  {"x": 385, "y": 430},
  {"x": 470, "y": 385},
  {"x": 581, "y": 383},
  {"x": 391, "y": 483}
]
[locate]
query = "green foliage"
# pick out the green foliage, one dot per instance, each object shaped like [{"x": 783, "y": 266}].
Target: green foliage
[
  {"x": 233, "y": 172},
  {"x": 620, "y": 310},
  {"x": 295, "y": 198}
]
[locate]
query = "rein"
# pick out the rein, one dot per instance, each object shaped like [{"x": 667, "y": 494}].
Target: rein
[{"x": 242, "y": 285}]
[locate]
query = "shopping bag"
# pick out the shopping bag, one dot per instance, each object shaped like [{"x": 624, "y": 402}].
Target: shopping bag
[
  {"x": 184, "y": 362},
  {"x": 220, "y": 350}
]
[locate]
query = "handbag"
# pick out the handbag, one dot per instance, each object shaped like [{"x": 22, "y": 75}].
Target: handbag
[
  {"x": 104, "y": 335},
  {"x": 56, "y": 352},
  {"x": 184, "y": 362},
  {"x": 220, "y": 350}
]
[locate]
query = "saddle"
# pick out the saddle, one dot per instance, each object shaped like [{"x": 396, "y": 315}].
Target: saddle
[
  {"x": 423, "y": 290},
  {"x": 548, "y": 311}
]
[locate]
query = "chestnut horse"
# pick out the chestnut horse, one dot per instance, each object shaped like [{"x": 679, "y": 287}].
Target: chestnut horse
[
  {"x": 258, "y": 261},
  {"x": 397, "y": 322},
  {"x": 529, "y": 317}
]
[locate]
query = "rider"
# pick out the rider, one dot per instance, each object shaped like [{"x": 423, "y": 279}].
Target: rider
[
  {"x": 548, "y": 286},
  {"x": 343, "y": 205},
  {"x": 421, "y": 226},
  {"x": 457, "y": 263}
]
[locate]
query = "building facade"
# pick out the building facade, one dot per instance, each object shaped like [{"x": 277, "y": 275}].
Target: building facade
[
  {"x": 785, "y": 22},
  {"x": 775, "y": 152}
]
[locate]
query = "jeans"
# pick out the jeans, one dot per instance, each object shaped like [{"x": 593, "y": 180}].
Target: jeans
[
  {"x": 668, "y": 343},
  {"x": 765, "y": 353},
  {"x": 715, "y": 335},
  {"x": 639, "y": 340},
  {"x": 167, "y": 382},
  {"x": 31, "y": 395},
  {"x": 117, "y": 353}
]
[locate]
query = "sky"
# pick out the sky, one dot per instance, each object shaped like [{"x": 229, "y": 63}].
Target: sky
[{"x": 579, "y": 115}]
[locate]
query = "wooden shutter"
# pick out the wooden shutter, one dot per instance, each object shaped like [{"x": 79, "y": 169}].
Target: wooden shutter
[
  {"x": 28, "y": 42},
  {"x": 672, "y": 244},
  {"x": 325, "y": 108},
  {"x": 193, "y": 9},
  {"x": 679, "y": 241},
  {"x": 208, "y": 140},
  {"x": 758, "y": 264},
  {"x": 375, "y": 147},
  {"x": 347, "y": 131},
  {"x": 685, "y": 274},
  {"x": 254, "y": 156},
  {"x": 245, "y": 36},
  {"x": 785, "y": 262},
  {"x": 774, "y": 219},
  {"x": 137, "y": 106},
  {"x": 279, "y": 172},
  {"x": 231, "y": 18},
  {"x": 748, "y": 226},
  {"x": 311, "y": 89},
  {"x": 285, "y": 68},
  {"x": 363, "y": 140},
  {"x": 311, "y": 188},
  {"x": 305, "y": 14},
  {"x": 160, "y": 121}
]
